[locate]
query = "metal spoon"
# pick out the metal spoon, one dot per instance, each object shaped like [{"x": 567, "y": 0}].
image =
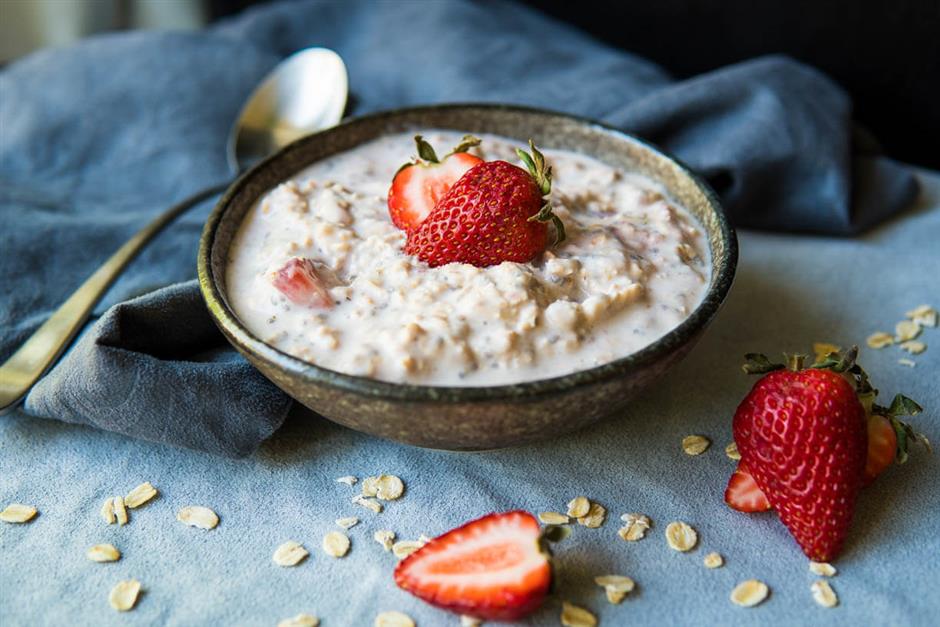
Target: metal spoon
[{"x": 306, "y": 92}]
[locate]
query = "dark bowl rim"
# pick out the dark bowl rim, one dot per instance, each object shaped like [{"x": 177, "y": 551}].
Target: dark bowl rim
[{"x": 245, "y": 341}]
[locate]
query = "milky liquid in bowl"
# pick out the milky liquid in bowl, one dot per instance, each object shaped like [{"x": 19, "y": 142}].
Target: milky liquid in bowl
[{"x": 634, "y": 266}]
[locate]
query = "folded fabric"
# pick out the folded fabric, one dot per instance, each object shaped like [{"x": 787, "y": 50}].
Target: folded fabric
[{"x": 98, "y": 137}]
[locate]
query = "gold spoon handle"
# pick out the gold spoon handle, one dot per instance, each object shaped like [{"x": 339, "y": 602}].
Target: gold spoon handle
[{"x": 41, "y": 350}]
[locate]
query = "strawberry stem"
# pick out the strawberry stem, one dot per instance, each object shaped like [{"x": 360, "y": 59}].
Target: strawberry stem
[
  {"x": 795, "y": 362},
  {"x": 468, "y": 142},
  {"x": 758, "y": 363}
]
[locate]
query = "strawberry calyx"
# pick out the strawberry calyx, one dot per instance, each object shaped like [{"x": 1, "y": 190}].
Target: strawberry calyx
[{"x": 542, "y": 174}]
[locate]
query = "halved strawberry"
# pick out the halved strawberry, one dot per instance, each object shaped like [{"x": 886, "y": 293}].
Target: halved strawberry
[
  {"x": 743, "y": 494},
  {"x": 306, "y": 282},
  {"x": 421, "y": 183},
  {"x": 494, "y": 568}
]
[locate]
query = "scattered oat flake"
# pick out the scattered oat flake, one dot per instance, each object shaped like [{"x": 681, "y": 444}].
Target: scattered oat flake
[
  {"x": 910, "y": 363},
  {"x": 906, "y": 330},
  {"x": 347, "y": 523},
  {"x": 17, "y": 513},
  {"x": 423, "y": 539},
  {"x": 384, "y": 537},
  {"x": 470, "y": 621},
  {"x": 370, "y": 486},
  {"x": 714, "y": 560},
  {"x": 140, "y": 495},
  {"x": 370, "y": 504},
  {"x": 578, "y": 507},
  {"x": 393, "y": 619},
  {"x": 198, "y": 516},
  {"x": 613, "y": 596},
  {"x": 107, "y": 511},
  {"x": 124, "y": 595},
  {"x": 103, "y": 553},
  {"x": 732, "y": 451},
  {"x": 619, "y": 583},
  {"x": 635, "y": 528},
  {"x": 554, "y": 518},
  {"x": 120, "y": 512},
  {"x": 823, "y": 569},
  {"x": 681, "y": 536},
  {"x": 749, "y": 593},
  {"x": 336, "y": 544},
  {"x": 301, "y": 620},
  {"x": 824, "y": 349},
  {"x": 290, "y": 554},
  {"x": 925, "y": 316},
  {"x": 389, "y": 487},
  {"x": 404, "y": 548},
  {"x": 913, "y": 347},
  {"x": 348, "y": 480},
  {"x": 823, "y": 593},
  {"x": 595, "y": 516},
  {"x": 879, "y": 339},
  {"x": 695, "y": 444},
  {"x": 575, "y": 616}
]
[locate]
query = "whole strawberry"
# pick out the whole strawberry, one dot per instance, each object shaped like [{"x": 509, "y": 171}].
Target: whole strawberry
[
  {"x": 495, "y": 212},
  {"x": 803, "y": 435}
]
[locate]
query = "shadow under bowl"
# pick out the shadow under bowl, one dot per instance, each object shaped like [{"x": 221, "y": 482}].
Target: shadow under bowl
[{"x": 469, "y": 418}]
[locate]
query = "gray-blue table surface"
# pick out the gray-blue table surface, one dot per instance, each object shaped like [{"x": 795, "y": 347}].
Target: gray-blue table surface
[{"x": 790, "y": 291}]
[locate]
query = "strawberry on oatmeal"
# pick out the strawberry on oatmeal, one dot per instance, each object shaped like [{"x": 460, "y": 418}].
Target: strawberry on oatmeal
[{"x": 489, "y": 265}]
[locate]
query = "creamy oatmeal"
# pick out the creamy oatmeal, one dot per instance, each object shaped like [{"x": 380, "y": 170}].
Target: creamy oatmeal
[{"x": 634, "y": 265}]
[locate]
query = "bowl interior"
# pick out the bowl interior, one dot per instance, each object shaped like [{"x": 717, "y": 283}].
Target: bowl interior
[{"x": 548, "y": 130}]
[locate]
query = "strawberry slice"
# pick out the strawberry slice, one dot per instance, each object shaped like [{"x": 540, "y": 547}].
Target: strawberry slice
[
  {"x": 306, "y": 282},
  {"x": 743, "y": 494},
  {"x": 494, "y": 568},
  {"x": 421, "y": 183}
]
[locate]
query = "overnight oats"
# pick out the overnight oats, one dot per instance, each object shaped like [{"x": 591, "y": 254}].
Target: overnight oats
[{"x": 321, "y": 269}]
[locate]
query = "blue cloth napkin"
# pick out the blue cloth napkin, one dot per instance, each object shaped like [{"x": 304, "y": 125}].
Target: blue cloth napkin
[{"x": 99, "y": 137}]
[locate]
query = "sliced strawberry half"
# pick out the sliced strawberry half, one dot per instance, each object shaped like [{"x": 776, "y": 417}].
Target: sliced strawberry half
[
  {"x": 743, "y": 494},
  {"x": 306, "y": 282},
  {"x": 494, "y": 568},
  {"x": 421, "y": 183}
]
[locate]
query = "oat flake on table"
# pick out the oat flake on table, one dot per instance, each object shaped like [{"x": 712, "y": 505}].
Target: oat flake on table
[
  {"x": 925, "y": 316},
  {"x": 695, "y": 444},
  {"x": 198, "y": 516},
  {"x": 578, "y": 507},
  {"x": 347, "y": 523},
  {"x": 18, "y": 513},
  {"x": 107, "y": 511},
  {"x": 823, "y": 593},
  {"x": 879, "y": 339},
  {"x": 348, "y": 480},
  {"x": 749, "y": 593},
  {"x": 595, "y": 516},
  {"x": 713, "y": 560},
  {"x": 384, "y": 537},
  {"x": 681, "y": 536},
  {"x": 123, "y": 596},
  {"x": 393, "y": 619},
  {"x": 823, "y": 569},
  {"x": 576, "y": 616},
  {"x": 140, "y": 495},
  {"x": 336, "y": 544},
  {"x": 290, "y": 553},
  {"x": 404, "y": 548},
  {"x": 553, "y": 518},
  {"x": 120, "y": 512},
  {"x": 470, "y": 621},
  {"x": 732, "y": 451},
  {"x": 301, "y": 620},
  {"x": 616, "y": 587},
  {"x": 635, "y": 528},
  {"x": 103, "y": 553}
]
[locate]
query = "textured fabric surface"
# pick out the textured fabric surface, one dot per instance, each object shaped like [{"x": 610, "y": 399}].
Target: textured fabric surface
[
  {"x": 790, "y": 292},
  {"x": 99, "y": 137}
]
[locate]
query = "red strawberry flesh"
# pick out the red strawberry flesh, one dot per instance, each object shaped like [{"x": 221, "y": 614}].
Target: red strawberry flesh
[
  {"x": 743, "y": 493},
  {"x": 493, "y": 568},
  {"x": 417, "y": 188},
  {"x": 882, "y": 446},
  {"x": 305, "y": 282}
]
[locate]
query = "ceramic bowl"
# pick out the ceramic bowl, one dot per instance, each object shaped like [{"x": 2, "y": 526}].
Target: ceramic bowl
[{"x": 469, "y": 418}]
